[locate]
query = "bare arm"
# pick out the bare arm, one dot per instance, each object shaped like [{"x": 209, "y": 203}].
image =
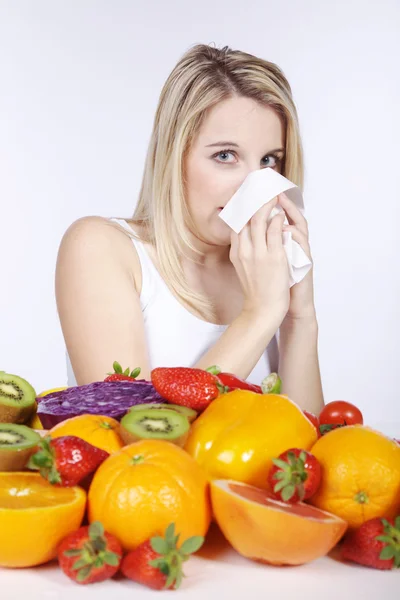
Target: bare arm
[
  {"x": 98, "y": 305},
  {"x": 299, "y": 365}
]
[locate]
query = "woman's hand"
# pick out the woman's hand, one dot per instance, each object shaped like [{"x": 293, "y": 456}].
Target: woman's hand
[
  {"x": 260, "y": 262},
  {"x": 302, "y": 293}
]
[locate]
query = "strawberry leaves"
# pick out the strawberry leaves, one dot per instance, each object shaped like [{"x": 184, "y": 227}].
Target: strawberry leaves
[
  {"x": 171, "y": 558},
  {"x": 391, "y": 539},
  {"x": 118, "y": 369}
]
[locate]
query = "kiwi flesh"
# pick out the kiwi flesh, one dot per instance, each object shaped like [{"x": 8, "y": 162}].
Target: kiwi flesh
[
  {"x": 17, "y": 443},
  {"x": 17, "y": 399},
  {"x": 154, "y": 424},
  {"x": 187, "y": 412}
]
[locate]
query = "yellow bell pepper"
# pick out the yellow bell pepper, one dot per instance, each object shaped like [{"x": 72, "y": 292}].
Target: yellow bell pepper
[{"x": 240, "y": 432}]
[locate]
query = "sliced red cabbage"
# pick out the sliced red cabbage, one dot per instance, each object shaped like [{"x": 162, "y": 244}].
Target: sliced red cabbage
[{"x": 112, "y": 399}]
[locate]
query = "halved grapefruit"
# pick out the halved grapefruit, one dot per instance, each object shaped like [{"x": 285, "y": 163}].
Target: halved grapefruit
[{"x": 267, "y": 530}]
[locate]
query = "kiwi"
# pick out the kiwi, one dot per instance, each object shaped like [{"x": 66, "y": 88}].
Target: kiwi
[
  {"x": 17, "y": 399},
  {"x": 17, "y": 443},
  {"x": 187, "y": 412},
  {"x": 155, "y": 424}
]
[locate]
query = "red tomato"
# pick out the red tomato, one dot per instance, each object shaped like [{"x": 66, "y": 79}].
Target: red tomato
[
  {"x": 314, "y": 420},
  {"x": 339, "y": 413},
  {"x": 294, "y": 476}
]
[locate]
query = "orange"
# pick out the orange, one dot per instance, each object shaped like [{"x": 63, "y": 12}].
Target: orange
[
  {"x": 267, "y": 530},
  {"x": 97, "y": 430},
  {"x": 137, "y": 492},
  {"x": 34, "y": 517},
  {"x": 240, "y": 432},
  {"x": 360, "y": 474}
]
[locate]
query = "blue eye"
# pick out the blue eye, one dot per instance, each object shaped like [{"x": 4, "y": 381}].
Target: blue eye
[{"x": 275, "y": 158}]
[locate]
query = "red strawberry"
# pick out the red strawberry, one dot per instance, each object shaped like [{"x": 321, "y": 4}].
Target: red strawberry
[
  {"x": 375, "y": 544},
  {"x": 120, "y": 375},
  {"x": 187, "y": 386},
  {"x": 66, "y": 460},
  {"x": 157, "y": 563},
  {"x": 295, "y": 475},
  {"x": 232, "y": 382},
  {"x": 90, "y": 554}
]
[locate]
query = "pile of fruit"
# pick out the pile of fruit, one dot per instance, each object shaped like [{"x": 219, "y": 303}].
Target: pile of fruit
[{"x": 125, "y": 475}]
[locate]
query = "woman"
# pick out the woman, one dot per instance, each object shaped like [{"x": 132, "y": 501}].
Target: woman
[{"x": 175, "y": 286}]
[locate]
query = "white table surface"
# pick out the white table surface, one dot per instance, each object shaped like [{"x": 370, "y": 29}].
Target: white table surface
[{"x": 217, "y": 570}]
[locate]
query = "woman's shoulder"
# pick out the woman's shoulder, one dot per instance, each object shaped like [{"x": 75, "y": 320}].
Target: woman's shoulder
[{"x": 93, "y": 239}]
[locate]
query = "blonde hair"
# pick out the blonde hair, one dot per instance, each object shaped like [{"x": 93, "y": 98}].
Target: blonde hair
[{"x": 202, "y": 78}]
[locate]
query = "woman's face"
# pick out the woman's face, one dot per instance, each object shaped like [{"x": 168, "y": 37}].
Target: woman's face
[{"x": 237, "y": 136}]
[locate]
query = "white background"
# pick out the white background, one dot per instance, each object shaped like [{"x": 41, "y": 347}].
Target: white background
[{"x": 79, "y": 84}]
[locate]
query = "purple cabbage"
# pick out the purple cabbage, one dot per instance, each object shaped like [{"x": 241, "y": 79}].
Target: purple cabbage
[{"x": 111, "y": 399}]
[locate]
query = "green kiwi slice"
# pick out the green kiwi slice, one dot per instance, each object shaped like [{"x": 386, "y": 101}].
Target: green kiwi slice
[
  {"x": 17, "y": 443},
  {"x": 17, "y": 399},
  {"x": 187, "y": 412},
  {"x": 272, "y": 384},
  {"x": 154, "y": 424}
]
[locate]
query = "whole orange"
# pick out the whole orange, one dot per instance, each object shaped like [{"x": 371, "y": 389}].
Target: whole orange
[
  {"x": 34, "y": 517},
  {"x": 137, "y": 492},
  {"x": 100, "y": 431},
  {"x": 360, "y": 474}
]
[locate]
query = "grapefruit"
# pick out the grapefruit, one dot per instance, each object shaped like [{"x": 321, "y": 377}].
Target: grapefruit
[{"x": 270, "y": 531}]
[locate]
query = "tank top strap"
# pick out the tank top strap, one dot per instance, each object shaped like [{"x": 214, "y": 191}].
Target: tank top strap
[{"x": 150, "y": 275}]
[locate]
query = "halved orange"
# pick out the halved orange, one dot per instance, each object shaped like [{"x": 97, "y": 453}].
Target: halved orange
[
  {"x": 270, "y": 531},
  {"x": 34, "y": 517}
]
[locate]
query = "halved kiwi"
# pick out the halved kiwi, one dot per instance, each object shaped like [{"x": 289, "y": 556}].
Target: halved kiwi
[
  {"x": 17, "y": 443},
  {"x": 187, "y": 412},
  {"x": 155, "y": 424},
  {"x": 17, "y": 399}
]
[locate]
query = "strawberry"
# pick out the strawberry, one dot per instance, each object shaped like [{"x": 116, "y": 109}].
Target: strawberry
[
  {"x": 295, "y": 475},
  {"x": 232, "y": 382},
  {"x": 157, "y": 563},
  {"x": 120, "y": 375},
  {"x": 66, "y": 460},
  {"x": 375, "y": 544},
  {"x": 187, "y": 386},
  {"x": 90, "y": 554}
]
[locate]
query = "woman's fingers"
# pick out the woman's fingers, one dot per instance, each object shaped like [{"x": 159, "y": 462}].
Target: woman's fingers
[
  {"x": 258, "y": 226},
  {"x": 300, "y": 238},
  {"x": 274, "y": 233},
  {"x": 294, "y": 215}
]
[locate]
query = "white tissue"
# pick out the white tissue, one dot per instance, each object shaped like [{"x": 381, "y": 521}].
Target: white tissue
[{"x": 258, "y": 188}]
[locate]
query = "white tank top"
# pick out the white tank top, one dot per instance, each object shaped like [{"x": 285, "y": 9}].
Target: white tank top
[{"x": 174, "y": 335}]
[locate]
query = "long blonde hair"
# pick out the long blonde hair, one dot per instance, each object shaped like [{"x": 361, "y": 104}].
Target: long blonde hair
[{"x": 204, "y": 76}]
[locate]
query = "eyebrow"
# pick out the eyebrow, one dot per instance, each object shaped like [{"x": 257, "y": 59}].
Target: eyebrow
[{"x": 233, "y": 144}]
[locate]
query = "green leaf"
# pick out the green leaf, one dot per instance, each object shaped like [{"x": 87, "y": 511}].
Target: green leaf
[
  {"x": 96, "y": 530},
  {"x": 192, "y": 544},
  {"x": 117, "y": 367},
  {"x": 126, "y": 372},
  {"x": 160, "y": 564},
  {"x": 159, "y": 545},
  {"x": 387, "y": 553},
  {"x": 279, "y": 475},
  {"x": 136, "y": 372},
  {"x": 279, "y": 486},
  {"x": 78, "y": 564},
  {"x": 73, "y": 552},
  {"x": 112, "y": 559},
  {"x": 288, "y": 492},
  {"x": 170, "y": 534},
  {"x": 280, "y": 463},
  {"x": 214, "y": 370},
  {"x": 397, "y": 523},
  {"x": 84, "y": 573},
  {"x": 98, "y": 562},
  {"x": 384, "y": 538}
]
